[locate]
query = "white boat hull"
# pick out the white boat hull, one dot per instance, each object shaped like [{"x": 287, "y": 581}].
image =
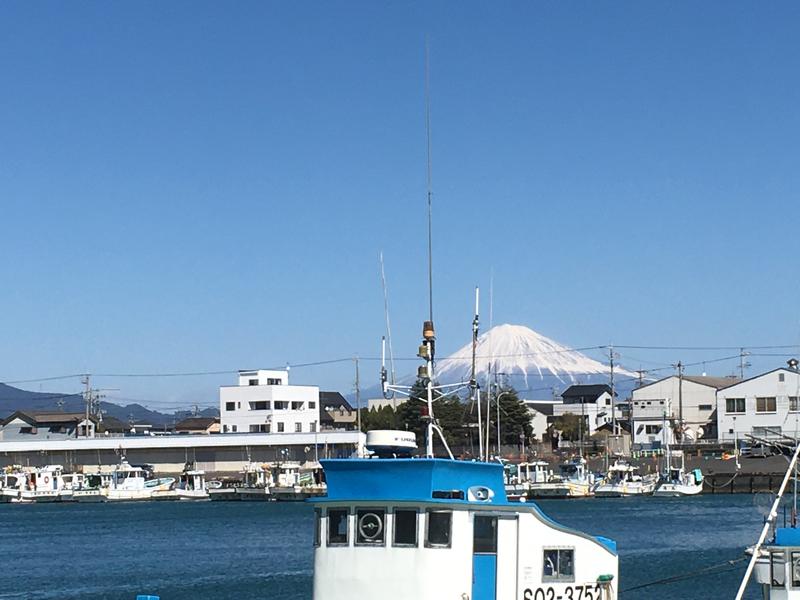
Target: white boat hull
[
  {"x": 39, "y": 496},
  {"x": 560, "y": 490},
  {"x": 607, "y": 490},
  {"x": 676, "y": 490},
  {"x": 89, "y": 496}
]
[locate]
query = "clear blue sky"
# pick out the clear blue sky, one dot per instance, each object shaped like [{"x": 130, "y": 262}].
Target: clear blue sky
[{"x": 193, "y": 186}]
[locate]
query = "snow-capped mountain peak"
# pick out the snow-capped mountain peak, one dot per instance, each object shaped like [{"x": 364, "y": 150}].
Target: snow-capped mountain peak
[{"x": 521, "y": 353}]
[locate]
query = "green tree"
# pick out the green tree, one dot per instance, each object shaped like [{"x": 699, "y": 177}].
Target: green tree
[{"x": 570, "y": 426}]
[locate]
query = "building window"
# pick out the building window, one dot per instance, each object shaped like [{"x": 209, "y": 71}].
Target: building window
[
  {"x": 260, "y": 405},
  {"x": 297, "y": 405},
  {"x": 794, "y": 406},
  {"x": 280, "y": 427},
  {"x": 652, "y": 429},
  {"x": 705, "y": 407},
  {"x": 312, "y": 405},
  {"x": 777, "y": 567},
  {"x": 252, "y": 382},
  {"x": 281, "y": 405},
  {"x": 234, "y": 428},
  {"x": 224, "y": 429},
  {"x": 317, "y": 527},
  {"x": 484, "y": 536},
  {"x": 370, "y": 530},
  {"x": 734, "y": 406},
  {"x": 26, "y": 429},
  {"x": 405, "y": 528},
  {"x": 439, "y": 524},
  {"x": 298, "y": 427},
  {"x": 765, "y": 405},
  {"x": 337, "y": 527},
  {"x": 313, "y": 427},
  {"x": 559, "y": 565},
  {"x": 272, "y": 381},
  {"x": 259, "y": 428},
  {"x": 230, "y": 406},
  {"x": 766, "y": 432},
  {"x": 781, "y": 377}
]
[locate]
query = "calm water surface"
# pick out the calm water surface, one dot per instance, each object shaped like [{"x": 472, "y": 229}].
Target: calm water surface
[{"x": 249, "y": 551}]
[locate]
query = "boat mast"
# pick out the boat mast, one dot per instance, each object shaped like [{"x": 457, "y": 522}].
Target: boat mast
[{"x": 472, "y": 381}]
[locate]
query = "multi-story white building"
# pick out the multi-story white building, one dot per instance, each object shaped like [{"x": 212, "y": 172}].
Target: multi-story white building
[
  {"x": 763, "y": 406},
  {"x": 693, "y": 396},
  {"x": 264, "y": 402}
]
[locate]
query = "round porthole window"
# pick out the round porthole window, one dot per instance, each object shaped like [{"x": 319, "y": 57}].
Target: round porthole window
[{"x": 370, "y": 527}]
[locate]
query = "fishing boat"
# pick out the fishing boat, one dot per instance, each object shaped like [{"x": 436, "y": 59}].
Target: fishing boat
[
  {"x": 126, "y": 483},
  {"x": 675, "y": 481},
  {"x": 191, "y": 485},
  {"x": 92, "y": 488},
  {"x": 256, "y": 482},
  {"x": 12, "y": 481},
  {"x": 44, "y": 485},
  {"x": 432, "y": 528},
  {"x": 622, "y": 479},
  {"x": 776, "y": 563},
  {"x": 527, "y": 475},
  {"x": 573, "y": 481}
]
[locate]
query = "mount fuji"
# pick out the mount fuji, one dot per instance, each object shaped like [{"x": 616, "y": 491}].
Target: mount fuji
[{"x": 528, "y": 361}]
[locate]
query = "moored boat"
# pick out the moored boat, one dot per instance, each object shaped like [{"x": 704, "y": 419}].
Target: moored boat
[
  {"x": 622, "y": 479},
  {"x": 573, "y": 481}
]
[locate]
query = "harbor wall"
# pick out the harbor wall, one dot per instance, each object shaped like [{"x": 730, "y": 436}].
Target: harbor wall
[{"x": 216, "y": 454}]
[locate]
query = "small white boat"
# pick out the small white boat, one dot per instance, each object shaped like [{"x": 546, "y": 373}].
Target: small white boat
[
  {"x": 256, "y": 482},
  {"x": 93, "y": 488},
  {"x": 126, "y": 483},
  {"x": 12, "y": 482},
  {"x": 573, "y": 481},
  {"x": 622, "y": 479},
  {"x": 529, "y": 476},
  {"x": 679, "y": 483},
  {"x": 190, "y": 486}
]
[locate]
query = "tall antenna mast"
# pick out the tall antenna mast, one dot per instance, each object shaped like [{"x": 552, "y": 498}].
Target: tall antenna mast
[
  {"x": 472, "y": 380},
  {"x": 388, "y": 328},
  {"x": 430, "y": 193}
]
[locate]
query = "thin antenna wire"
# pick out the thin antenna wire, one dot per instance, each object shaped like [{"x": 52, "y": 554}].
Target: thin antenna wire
[
  {"x": 430, "y": 193},
  {"x": 388, "y": 327}
]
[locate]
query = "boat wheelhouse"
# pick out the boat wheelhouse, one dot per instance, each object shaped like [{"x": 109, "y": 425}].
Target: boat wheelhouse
[
  {"x": 777, "y": 568},
  {"x": 434, "y": 528}
]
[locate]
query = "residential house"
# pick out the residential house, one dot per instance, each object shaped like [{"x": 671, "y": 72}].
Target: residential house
[
  {"x": 335, "y": 412},
  {"x": 198, "y": 425},
  {"x": 25, "y": 425},
  {"x": 765, "y": 406},
  {"x": 592, "y": 402},
  {"x": 691, "y": 397}
]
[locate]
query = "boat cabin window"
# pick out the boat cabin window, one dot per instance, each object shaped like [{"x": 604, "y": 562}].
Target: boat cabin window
[
  {"x": 317, "y": 527},
  {"x": 777, "y": 567},
  {"x": 559, "y": 564},
  {"x": 370, "y": 526},
  {"x": 439, "y": 525},
  {"x": 405, "y": 528},
  {"x": 337, "y": 527},
  {"x": 795, "y": 569},
  {"x": 484, "y": 535}
]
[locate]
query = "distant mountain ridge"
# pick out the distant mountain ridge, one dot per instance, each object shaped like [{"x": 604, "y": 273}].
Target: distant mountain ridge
[{"x": 13, "y": 399}]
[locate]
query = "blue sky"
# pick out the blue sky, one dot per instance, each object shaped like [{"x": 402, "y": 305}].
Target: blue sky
[{"x": 199, "y": 186}]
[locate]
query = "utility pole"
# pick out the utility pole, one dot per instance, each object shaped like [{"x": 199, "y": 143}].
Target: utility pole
[
  {"x": 742, "y": 364},
  {"x": 358, "y": 396},
  {"x": 87, "y": 397},
  {"x": 613, "y": 404}
]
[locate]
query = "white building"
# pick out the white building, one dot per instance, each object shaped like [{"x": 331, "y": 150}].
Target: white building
[
  {"x": 693, "y": 396},
  {"x": 764, "y": 406},
  {"x": 541, "y": 412},
  {"x": 592, "y": 402},
  {"x": 264, "y": 402}
]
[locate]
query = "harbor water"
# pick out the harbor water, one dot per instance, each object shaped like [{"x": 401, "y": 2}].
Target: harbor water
[{"x": 249, "y": 551}]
